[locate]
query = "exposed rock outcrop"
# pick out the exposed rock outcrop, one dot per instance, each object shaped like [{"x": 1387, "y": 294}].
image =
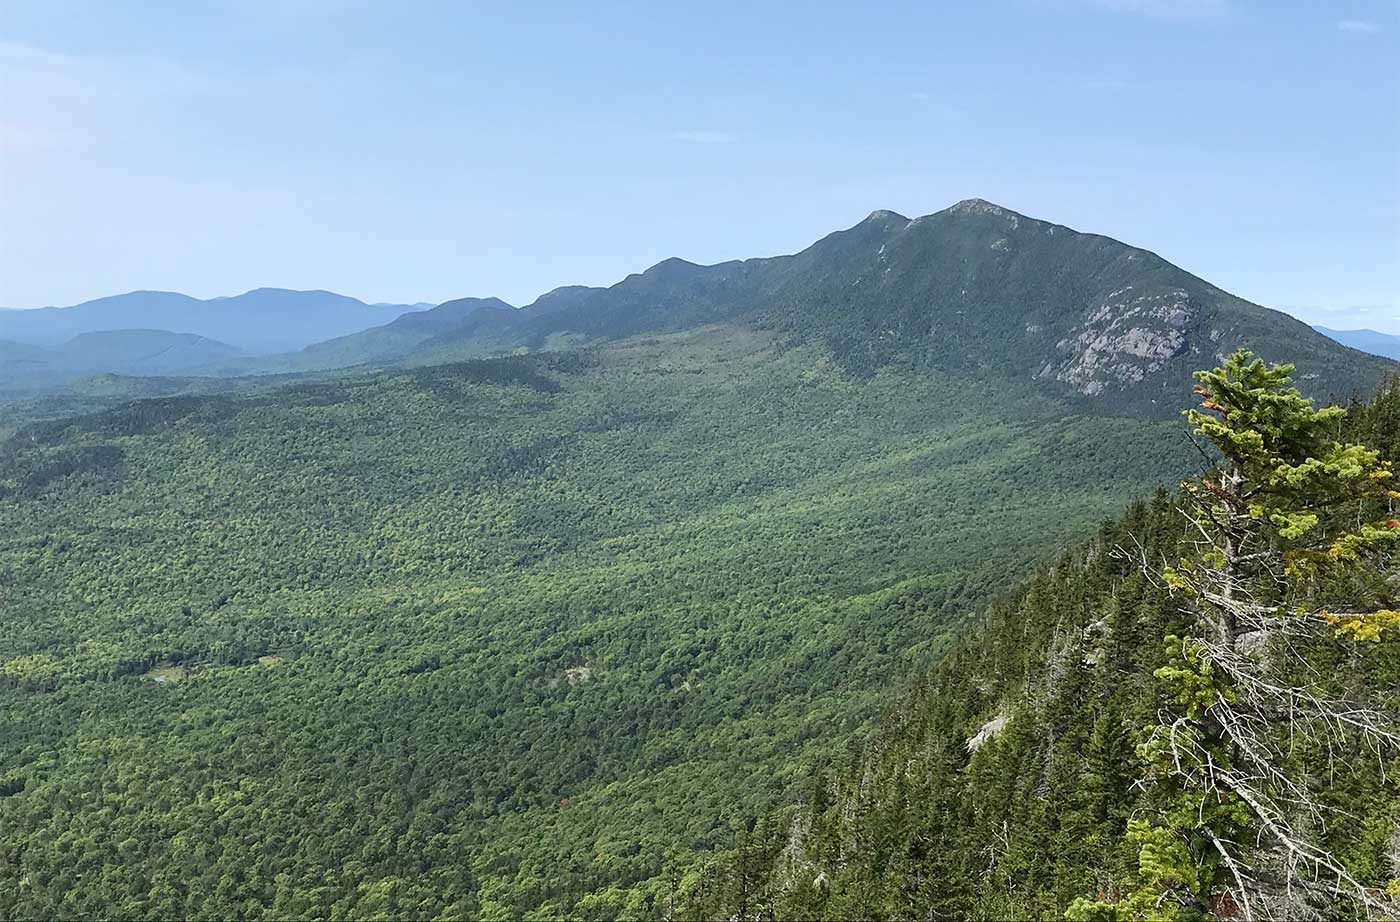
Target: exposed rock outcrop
[{"x": 1131, "y": 335}]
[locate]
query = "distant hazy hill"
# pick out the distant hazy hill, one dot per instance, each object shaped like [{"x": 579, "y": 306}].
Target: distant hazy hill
[
  {"x": 30, "y": 369},
  {"x": 1366, "y": 340},
  {"x": 262, "y": 320},
  {"x": 144, "y": 351},
  {"x": 975, "y": 287},
  {"x": 380, "y": 344}
]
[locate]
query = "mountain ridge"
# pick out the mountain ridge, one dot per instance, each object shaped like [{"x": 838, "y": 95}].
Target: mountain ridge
[
  {"x": 258, "y": 320},
  {"x": 375, "y": 345},
  {"x": 137, "y": 352},
  {"x": 1366, "y": 340},
  {"x": 973, "y": 285}
]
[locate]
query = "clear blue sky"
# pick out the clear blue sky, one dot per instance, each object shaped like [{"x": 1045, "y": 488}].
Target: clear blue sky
[{"x": 421, "y": 151}]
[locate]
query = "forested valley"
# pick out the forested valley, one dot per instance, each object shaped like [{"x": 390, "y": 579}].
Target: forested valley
[{"x": 493, "y": 638}]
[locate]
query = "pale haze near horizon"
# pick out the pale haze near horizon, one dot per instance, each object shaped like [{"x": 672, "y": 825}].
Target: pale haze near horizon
[{"x": 421, "y": 152}]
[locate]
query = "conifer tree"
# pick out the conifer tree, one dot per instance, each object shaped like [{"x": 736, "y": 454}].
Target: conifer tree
[{"x": 1293, "y": 535}]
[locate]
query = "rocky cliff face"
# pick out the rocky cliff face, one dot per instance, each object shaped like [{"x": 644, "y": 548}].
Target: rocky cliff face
[{"x": 1133, "y": 335}]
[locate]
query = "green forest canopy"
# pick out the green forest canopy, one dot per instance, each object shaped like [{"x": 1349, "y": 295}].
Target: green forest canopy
[{"x": 493, "y": 637}]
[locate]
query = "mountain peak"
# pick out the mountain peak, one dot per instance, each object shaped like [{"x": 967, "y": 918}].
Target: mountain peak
[
  {"x": 473, "y": 303},
  {"x": 981, "y": 206},
  {"x": 672, "y": 266},
  {"x": 885, "y": 216}
]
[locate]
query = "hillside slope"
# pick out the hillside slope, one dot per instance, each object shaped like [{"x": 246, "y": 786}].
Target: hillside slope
[
  {"x": 142, "y": 352},
  {"x": 1001, "y": 784},
  {"x": 377, "y": 345}
]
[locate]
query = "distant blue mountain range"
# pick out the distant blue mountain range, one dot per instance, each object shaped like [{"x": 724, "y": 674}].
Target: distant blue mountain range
[
  {"x": 29, "y": 369},
  {"x": 1370, "y": 341},
  {"x": 264, "y": 320}
]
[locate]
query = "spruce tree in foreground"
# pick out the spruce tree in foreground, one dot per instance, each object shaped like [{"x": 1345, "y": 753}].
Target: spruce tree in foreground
[{"x": 1294, "y": 535}]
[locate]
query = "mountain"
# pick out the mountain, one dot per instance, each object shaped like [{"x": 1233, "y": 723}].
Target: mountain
[
  {"x": 143, "y": 352},
  {"x": 258, "y": 321},
  {"x": 33, "y": 369},
  {"x": 381, "y": 344},
  {"x": 975, "y": 287},
  {"x": 1385, "y": 344},
  {"x": 552, "y": 634}
]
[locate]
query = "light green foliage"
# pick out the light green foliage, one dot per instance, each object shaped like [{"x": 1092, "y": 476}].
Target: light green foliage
[
  {"x": 1371, "y": 626},
  {"x": 1191, "y": 676},
  {"x": 1165, "y": 864},
  {"x": 1304, "y": 488},
  {"x": 1253, "y": 415}
]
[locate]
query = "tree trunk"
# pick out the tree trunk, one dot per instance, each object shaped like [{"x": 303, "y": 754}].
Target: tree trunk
[{"x": 1236, "y": 524}]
